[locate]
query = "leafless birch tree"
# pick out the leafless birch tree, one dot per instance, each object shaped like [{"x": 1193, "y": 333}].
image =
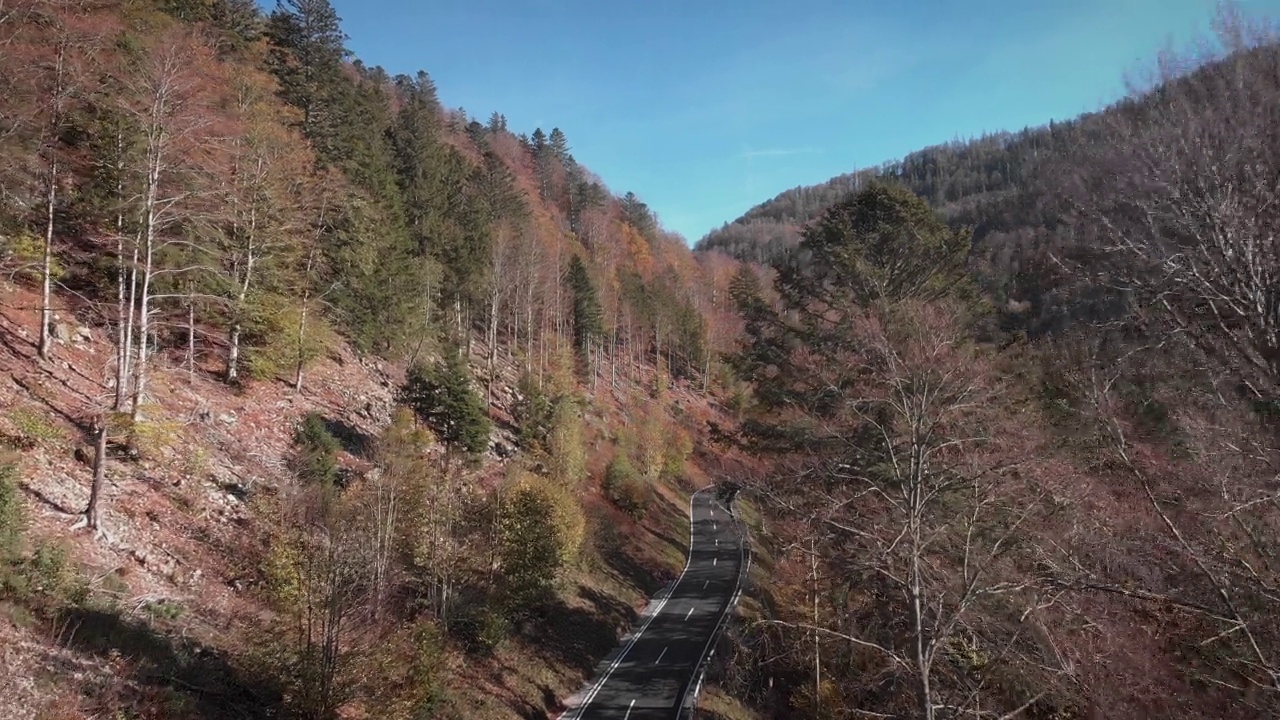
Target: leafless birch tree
[{"x": 166, "y": 101}]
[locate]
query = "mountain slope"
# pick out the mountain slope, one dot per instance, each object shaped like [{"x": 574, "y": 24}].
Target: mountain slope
[
  {"x": 240, "y": 269},
  {"x": 955, "y": 178}
]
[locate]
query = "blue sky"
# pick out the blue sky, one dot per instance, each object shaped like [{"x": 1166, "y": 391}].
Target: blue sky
[{"x": 704, "y": 108}]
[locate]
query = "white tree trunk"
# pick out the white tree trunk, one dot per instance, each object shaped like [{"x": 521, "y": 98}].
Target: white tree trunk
[
  {"x": 124, "y": 293},
  {"x": 242, "y": 293},
  {"x": 148, "y": 272},
  {"x": 46, "y": 267},
  {"x": 191, "y": 334}
]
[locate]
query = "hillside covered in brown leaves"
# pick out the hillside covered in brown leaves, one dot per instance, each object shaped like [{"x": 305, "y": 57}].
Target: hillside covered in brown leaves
[{"x": 318, "y": 399}]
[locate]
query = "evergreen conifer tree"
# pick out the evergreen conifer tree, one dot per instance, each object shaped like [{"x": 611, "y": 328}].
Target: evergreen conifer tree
[
  {"x": 587, "y": 314},
  {"x": 308, "y": 48},
  {"x": 442, "y": 396}
]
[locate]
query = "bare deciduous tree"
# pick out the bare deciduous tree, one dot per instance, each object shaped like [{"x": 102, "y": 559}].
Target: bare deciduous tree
[
  {"x": 320, "y": 576},
  {"x": 1219, "y": 515},
  {"x": 167, "y": 101},
  {"x": 1177, "y": 208},
  {"x": 56, "y": 46},
  {"x": 265, "y": 205},
  {"x": 92, "y": 517},
  {"x": 917, "y": 501},
  {"x": 1180, "y": 190},
  {"x": 504, "y": 252}
]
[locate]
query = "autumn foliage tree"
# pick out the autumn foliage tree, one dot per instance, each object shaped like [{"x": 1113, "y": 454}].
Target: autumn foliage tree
[{"x": 536, "y": 542}]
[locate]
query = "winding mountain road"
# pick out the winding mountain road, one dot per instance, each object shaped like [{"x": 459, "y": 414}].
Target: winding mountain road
[{"x": 648, "y": 676}]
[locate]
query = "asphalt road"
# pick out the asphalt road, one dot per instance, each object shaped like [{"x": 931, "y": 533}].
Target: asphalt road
[{"x": 646, "y": 678}]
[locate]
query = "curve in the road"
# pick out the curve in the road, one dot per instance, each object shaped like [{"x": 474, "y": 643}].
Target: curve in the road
[{"x": 650, "y": 674}]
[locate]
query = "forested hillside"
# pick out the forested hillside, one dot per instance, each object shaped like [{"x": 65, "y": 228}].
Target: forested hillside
[
  {"x": 321, "y": 399},
  {"x": 956, "y": 178},
  {"x": 1017, "y": 192},
  {"x": 1005, "y": 186},
  {"x": 1068, "y": 513},
  {"x": 252, "y": 165}
]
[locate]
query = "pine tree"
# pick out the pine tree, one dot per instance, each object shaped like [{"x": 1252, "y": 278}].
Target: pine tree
[
  {"x": 870, "y": 253},
  {"x": 638, "y": 215},
  {"x": 544, "y": 163},
  {"x": 881, "y": 244},
  {"x": 308, "y": 48},
  {"x": 496, "y": 187},
  {"x": 587, "y": 315},
  {"x": 559, "y": 147},
  {"x": 425, "y": 169},
  {"x": 464, "y": 249},
  {"x": 534, "y": 413},
  {"x": 315, "y": 452},
  {"x": 446, "y": 200},
  {"x": 584, "y": 194},
  {"x": 379, "y": 298},
  {"x": 442, "y": 396},
  {"x": 240, "y": 19}
]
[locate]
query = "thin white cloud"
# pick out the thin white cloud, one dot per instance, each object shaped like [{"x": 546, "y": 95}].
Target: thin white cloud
[{"x": 780, "y": 152}]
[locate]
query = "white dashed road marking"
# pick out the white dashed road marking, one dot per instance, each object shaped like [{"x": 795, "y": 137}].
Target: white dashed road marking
[
  {"x": 664, "y": 652},
  {"x": 633, "y": 704},
  {"x": 686, "y": 615}
]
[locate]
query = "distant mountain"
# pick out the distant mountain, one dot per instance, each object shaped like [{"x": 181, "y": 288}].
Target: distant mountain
[
  {"x": 1006, "y": 186},
  {"x": 965, "y": 181}
]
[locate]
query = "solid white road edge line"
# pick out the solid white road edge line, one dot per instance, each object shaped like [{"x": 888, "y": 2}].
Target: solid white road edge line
[
  {"x": 577, "y": 712},
  {"x": 743, "y": 569}
]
